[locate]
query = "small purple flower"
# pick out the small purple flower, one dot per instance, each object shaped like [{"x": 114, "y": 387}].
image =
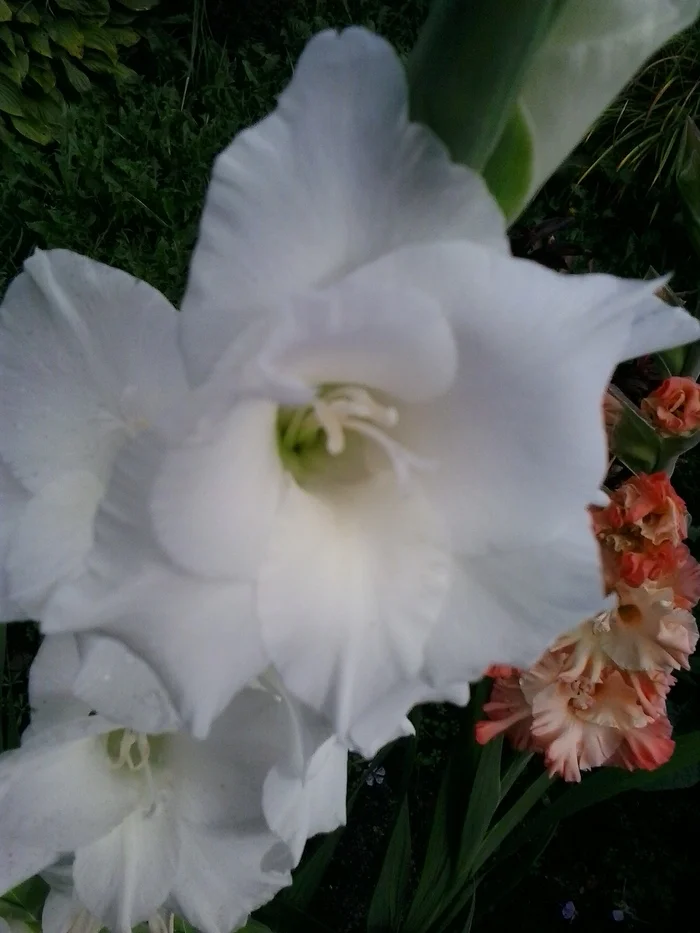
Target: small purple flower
[
  {"x": 618, "y": 915},
  {"x": 375, "y": 777},
  {"x": 568, "y": 911}
]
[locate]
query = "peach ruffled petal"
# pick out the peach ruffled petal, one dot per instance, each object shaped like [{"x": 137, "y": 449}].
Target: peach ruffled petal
[
  {"x": 645, "y": 506},
  {"x": 500, "y": 670},
  {"x": 683, "y": 576},
  {"x": 648, "y": 632},
  {"x": 646, "y": 748},
  {"x": 508, "y": 712},
  {"x": 674, "y": 408}
]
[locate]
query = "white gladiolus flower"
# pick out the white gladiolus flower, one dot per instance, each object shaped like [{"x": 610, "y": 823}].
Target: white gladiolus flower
[
  {"x": 380, "y": 484},
  {"x": 88, "y": 358},
  {"x": 161, "y": 822}
]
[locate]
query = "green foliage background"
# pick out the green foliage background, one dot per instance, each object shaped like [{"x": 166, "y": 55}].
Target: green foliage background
[{"x": 48, "y": 51}]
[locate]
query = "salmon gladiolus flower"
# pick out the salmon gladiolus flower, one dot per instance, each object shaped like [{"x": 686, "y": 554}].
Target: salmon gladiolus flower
[
  {"x": 645, "y": 507},
  {"x": 674, "y": 408}
]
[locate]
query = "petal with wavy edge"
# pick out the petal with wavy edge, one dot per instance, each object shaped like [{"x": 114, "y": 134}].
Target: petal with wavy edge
[
  {"x": 385, "y": 720},
  {"x": 361, "y": 575},
  {"x": 51, "y": 681},
  {"x": 125, "y": 876},
  {"x": 298, "y": 807},
  {"x": 87, "y": 353},
  {"x": 507, "y": 606},
  {"x": 518, "y": 438},
  {"x": 367, "y": 330},
  {"x": 121, "y": 686},
  {"x": 172, "y": 620},
  {"x": 335, "y": 177},
  {"x": 220, "y": 779},
  {"x": 57, "y": 793},
  {"x": 222, "y": 878}
]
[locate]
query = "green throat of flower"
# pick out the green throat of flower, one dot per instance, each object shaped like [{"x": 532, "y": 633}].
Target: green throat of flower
[
  {"x": 133, "y": 751},
  {"x": 329, "y": 428}
]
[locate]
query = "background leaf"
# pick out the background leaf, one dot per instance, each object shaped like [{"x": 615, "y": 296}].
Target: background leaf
[
  {"x": 388, "y": 902},
  {"x": 467, "y": 69}
]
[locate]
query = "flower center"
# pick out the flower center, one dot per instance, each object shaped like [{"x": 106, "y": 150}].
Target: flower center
[
  {"x": 127, "y": 749},
  {"x": 630, "y": 614},
  {"x": 137, "y": 753},
  {"x": 307, "y": 436},
  {"x": 583, "y": 694}
]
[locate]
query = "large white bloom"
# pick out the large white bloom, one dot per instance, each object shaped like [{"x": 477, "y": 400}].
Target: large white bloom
[
  {"x": 207, "y": 829},
  {"x": 380, "y": 484},
  {"x": 88, "y": 357}
]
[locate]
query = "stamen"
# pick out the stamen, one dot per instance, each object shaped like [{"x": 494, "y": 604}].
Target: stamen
[
  {"x": 401, "y": 460},
  {"x": 353, "y": 408},
  {"x": 601, "y": 622},
  {"x": 352, "y": 400},
  {"x": 159, "y": 924},
  {"x": 133, "y": 752},
  {"x": 338, "y": 409},
  {"x": 84, "y": 922},
  {"x": 330, "y": 420}
]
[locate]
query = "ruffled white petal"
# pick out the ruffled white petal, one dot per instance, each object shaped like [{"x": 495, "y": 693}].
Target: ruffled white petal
[
  {"x": 87, "y": 353},
  {"x": 367, "y": 330},
  {"x": 233, "y": 858},
  {"x": 74, "y": 675},
  {"x": 121, "y": 686},
  {"x": 335, "y": 177},
  {"x": 360, "y": 574},
  {"x": 200, "y": 638},
  {"x": 51, "y": 681},
  {"x": 326, "y": 787},
  {"x": 59, "y": 913},
  {"x": 57, "y": 793},
  {"x": 223, "y": 878},
  {"x": 507, "y": 606},
  {"x": 300, "y": 806},
  {"x": 126, "y": 875},
  {"x": 220, "y": 779},
  {"x": 518, "y": 439},
  {"x": 386, "y": 719}
]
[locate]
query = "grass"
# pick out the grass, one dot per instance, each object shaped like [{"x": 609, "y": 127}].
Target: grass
[
  {"x": 640, "y": 131},
  {"x": 126, "y": 180},
  {"x": 617, "y": 192}
]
